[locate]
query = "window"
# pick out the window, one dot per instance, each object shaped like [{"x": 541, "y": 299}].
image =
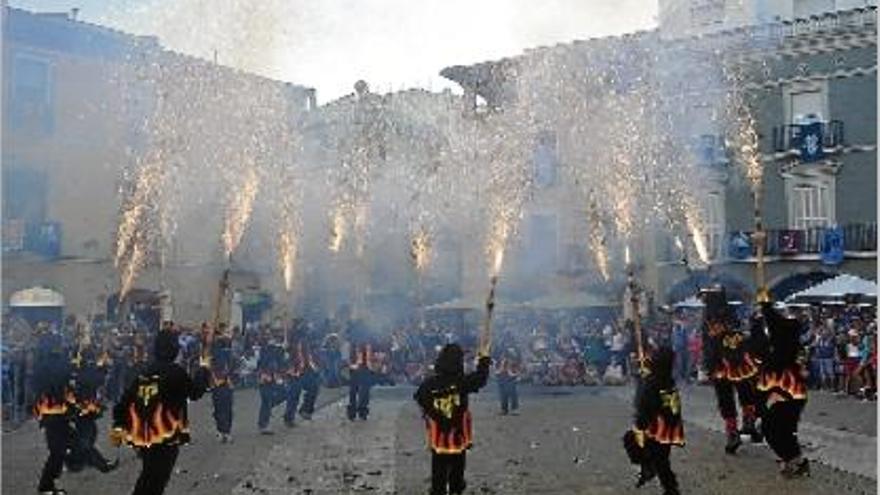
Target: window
[
  {"x": 31, "y": 102},
  {"x": 545, "y": 160},
  {"x": 810, "y": 202},
  {"x": 714, "y": 215},
  {"x": 806, "y": 8},
  {"x": 707, "y": 13},
  {"x": 803, "y": 100},
  {"x": 542, "y": 246}
]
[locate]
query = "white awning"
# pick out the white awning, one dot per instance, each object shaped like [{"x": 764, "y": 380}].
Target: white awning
[
  {"x": 837, "y": 288},
  {"x": 690, "y": 302},
  {"x": 36, "y": 297},
  {"x": 569, "y": 300}
]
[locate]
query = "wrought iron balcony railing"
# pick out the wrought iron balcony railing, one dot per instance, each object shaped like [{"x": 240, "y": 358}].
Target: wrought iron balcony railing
[{"x": 810, "y": 141}]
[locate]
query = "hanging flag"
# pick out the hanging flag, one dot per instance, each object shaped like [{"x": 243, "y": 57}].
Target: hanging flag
[
  {"x": 789, "y": 241},
  {"x": 740, "y": 246},
  {"x": 808, "y": 139},
  {"x": 832, "y": 246}
]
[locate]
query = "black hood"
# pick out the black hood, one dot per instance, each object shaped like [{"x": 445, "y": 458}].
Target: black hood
[
  {"x": 166, "y": 347},
  {"x": 450, "y": 361},
  {"x": 661, "y": 361},
  {"x": 784, "y": 338}
]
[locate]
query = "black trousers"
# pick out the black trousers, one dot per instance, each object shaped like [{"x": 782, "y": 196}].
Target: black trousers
[
  {"x": 779, "y": 425},
  {"x": 57, "y": 431},
  {"x": 744, "y": 389},
  {"x": 221, "y": 398},
  {"x": 359, "y": 394},
  {"x": 157, "y": 463},
  {"x": 447, "y": 473},
  {"x": 657, "y": 460},
  {"x": 508, "y": 394},
  {"x": 83, "y": 451},
  {"x": 271, "y": 394},
  {"x": 311, "y": 386}
]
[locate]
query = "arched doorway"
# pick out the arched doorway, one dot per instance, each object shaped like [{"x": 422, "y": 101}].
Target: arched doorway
[
  {"x": 689, "y": 286},
  {"x": 141, "y": 307},
  {"x": 248, "y": 307},
  {"x": 797, "y": 282}
]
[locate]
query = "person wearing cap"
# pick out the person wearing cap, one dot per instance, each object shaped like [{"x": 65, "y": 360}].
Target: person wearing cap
[
  {"x": 443, "y": 399},
  {"x": 152, "y": 414}
]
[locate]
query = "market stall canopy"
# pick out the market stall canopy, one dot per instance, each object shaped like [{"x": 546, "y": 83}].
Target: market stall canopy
[
  {"x": 836, "y": 289},
  {"x": 468, "y": 303},
  {"x": 569, "y": 300},
  {"x": 690, "y": 302},
  {"x": 36, "y": 297},
  {"x": 694, "y": 302}
]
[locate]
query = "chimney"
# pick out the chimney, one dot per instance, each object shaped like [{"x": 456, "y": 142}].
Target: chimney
[{"x": 74, "y": 12}]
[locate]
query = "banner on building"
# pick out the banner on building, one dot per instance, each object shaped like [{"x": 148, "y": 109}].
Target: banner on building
[{"x": 832, "y": 246}]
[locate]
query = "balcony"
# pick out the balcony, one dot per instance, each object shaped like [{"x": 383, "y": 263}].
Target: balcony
[
  {"x": 710, "y": 150},
  {"x": 810, "y": 142},
  {"x": 42, "y": 238},
  {"x": 857, "y": 237}
]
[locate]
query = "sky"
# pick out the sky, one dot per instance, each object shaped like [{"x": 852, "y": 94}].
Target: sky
[{"x": 330, "y": 44}]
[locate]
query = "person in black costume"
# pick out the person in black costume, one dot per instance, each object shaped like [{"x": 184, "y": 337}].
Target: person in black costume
[
  {"x": 88, "y": 380},
  {"x": 443, "y": 398},
  {"x": 658, "y": 423},
  {"x": 53, "y": 407},
  {"x": 271, "y": 376},
  {"x": 152, "y": 414},
  {"x": 732, "y": 367},
  {"x": 783, "y": 389}
]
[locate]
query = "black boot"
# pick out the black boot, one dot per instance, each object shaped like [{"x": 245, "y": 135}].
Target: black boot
[
  {"x": 733, "y": 443},
  {"x": 645, "y": 476},
  {"x": 753, "y": 432},
  {"x": 796, "y": 469}
]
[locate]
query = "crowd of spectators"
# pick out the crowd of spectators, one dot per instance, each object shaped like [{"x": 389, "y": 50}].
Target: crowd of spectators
[{"x": 840, "y": 344}]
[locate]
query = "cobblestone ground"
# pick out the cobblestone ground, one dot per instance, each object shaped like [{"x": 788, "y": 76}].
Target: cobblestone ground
[
  {"x": 205, "y": 467},
  {"x": 565, "y": 441}
]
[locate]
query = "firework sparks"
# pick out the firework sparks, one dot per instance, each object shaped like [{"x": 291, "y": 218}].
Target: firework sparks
[
  {"x": 694, "y": 223},
  {"x": 743, "y": 134},
  {"x": 626, "y": 255},
  {"x": 239, "y": 212},
  {"x": 287, "y": 248},
  {"x": 136, "y": 261},
  {"x": 597, "y": 241},
  {"x": 497, "y": 242},
  {"x": 337, "y": 230},
  {"x": 420, "y": 249}
]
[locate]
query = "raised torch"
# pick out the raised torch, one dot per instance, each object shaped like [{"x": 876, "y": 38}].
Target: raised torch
[{"x": 486, "y": 331}]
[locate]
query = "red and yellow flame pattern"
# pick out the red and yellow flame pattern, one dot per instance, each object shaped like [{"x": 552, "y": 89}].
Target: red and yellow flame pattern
[
  {"x": 668, "y": 433},
  {"x": 745, "y": 369},
  {"x": 49, "y": 406},
  {"x": 89, "y": 407},
  {"x": 164, "y": 427},
  {"x": 788, "y": 384},
  {"x": 455, "y": 441}
]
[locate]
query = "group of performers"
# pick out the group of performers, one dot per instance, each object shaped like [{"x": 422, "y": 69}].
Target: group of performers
[
  {"x": 151, "y": 414},
  {"x": 762, "y": 366}
]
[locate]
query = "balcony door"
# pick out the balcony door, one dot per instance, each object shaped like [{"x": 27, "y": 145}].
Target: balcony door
[{"x": 810, "y": 201}]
